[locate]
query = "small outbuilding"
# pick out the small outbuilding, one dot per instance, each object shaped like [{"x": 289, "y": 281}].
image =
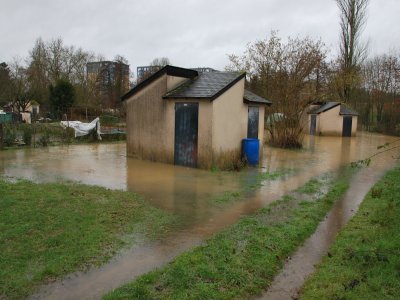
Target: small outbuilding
[
  {"x": 192, "y": 118},
  {"x": 332, "y": 118}
]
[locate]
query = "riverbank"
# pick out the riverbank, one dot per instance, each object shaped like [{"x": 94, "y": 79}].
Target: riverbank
[
  {"x": 242, "y": 260},
  {"x": 364, "y": 261},
  {"x": 50, "y": 230}
]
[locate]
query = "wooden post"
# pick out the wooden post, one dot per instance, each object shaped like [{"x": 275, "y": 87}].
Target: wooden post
[{"x": 1, "y": 136}]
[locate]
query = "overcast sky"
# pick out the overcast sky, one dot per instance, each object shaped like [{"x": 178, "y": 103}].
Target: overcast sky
[{"x": 191, "y": 33}]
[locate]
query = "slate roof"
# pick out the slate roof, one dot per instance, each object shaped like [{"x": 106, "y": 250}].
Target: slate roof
[
  {"x": 250, "y": 97},
  {"x": 169, "y": 70},
  {"x": 202, "y": 83},
  {"x": 324, "y": 107},
  {"x": 208, "y": 85},
  {"x": 329, "y": 105},
  {"x": 347, "y": 111}
]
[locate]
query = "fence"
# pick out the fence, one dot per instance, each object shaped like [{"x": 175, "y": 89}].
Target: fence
[{"x": 45, "y": 134}]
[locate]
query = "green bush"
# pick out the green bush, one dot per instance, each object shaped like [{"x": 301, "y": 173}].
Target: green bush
[
  {"x": 397, "y": 129},
  {"x": 44, "y": 139},
  {"x": 27, "y": 133},
  {"x": 109, "y": 120},
  {"x": 9, "y": 136},
  {"x": 68, "y": 135}
]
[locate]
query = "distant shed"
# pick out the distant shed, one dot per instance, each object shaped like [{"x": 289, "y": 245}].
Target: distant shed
[{"x": 332, "y": 118}]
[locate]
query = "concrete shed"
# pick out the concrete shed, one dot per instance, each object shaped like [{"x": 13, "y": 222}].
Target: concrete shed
[
  {"x": 191, "y": 118},
  {"x": 332, "y": 118}
]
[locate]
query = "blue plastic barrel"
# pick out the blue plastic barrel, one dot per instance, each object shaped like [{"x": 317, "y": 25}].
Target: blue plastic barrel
[{"x": 251, "y": 150}]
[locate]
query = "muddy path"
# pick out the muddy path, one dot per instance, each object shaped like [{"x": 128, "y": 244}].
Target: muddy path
[
  {"x": 182, "y": 191},
  {"x": 302, "y": 263}
]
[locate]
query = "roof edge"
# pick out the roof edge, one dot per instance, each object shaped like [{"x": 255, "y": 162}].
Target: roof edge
[
  {"x": 248, "y": 100},
  {"x": 169, "y": 70},
  {"x": 329, "y": 108},
  {"x": 256, "y": 102}
]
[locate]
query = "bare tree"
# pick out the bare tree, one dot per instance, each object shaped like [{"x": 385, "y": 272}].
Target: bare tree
[
  {"x": 352, "y": 51},
  {"x": 5, "y": 83},
  {"x": 50, "y": 61},
  {"x": 37, "y": 71},
  {"x": 160, "y": 62},
  {"x": 287, "y": 73},
  {"x": 381, "y": 81},
  {"x": 20, "y": 92}
]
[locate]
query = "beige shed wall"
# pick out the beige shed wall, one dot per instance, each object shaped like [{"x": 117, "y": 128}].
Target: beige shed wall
[
  {"x": 354, "y": 126},
  {"x": 174, "y": 81},
  {"x": 229, "y": 118},
  {"x": 147, "y": 135},
  {"x": 330, "y": 122},
  {"x": 261, "y": 128},
  {"x": 229, "y": 125}
]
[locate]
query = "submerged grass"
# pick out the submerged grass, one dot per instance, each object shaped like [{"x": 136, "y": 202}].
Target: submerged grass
[
  {"x": 364, "y": 261},
  {"x": 311, "y": 187},
  {"x": 249, "y": 185},
  {"x": 49, "y": 230},
  {"x": 242, "y": 260}
]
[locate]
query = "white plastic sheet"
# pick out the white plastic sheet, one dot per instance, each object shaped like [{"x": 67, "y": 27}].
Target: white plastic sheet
[{"x": 82, "y": 129}]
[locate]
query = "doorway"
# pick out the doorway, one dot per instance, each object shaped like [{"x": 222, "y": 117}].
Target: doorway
[{"x": 186, "y": 133}]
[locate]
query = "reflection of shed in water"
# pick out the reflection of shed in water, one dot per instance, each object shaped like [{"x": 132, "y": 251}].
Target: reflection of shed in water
[
  {"x": 192, "y": 118},
  {"x": 332, "y": 118}
]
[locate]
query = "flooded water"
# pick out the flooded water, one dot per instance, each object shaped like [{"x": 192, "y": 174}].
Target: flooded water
[{"x": 182, "y": 191}]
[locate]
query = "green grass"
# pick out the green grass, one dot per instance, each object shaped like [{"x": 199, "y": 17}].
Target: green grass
[
  {"x": 311, "y": 187},
  {"x": 364, "y": 261},
  {"x": 242, "y": 260},
  {"x": 49, "y": 230}
]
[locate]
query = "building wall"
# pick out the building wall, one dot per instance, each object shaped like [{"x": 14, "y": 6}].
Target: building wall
[
  {"x": 354, "y": 126},
  {"x": 173, "y": 82},
  {"x": 330, "y": 122},
  {"x": 147, "y": 135},
  {"x": 229, "y": 126},
  {"x": 261, "y": 128}
]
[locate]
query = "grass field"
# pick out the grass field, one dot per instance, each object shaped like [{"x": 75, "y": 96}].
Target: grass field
[
  {"x": 364, "y": 262},
  {"x": 49, "y": 230},
  {"x": 242, "y": 260}
]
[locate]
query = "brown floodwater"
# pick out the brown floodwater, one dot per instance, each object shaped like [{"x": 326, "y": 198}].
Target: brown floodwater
[{"x": 183, "y": 191}]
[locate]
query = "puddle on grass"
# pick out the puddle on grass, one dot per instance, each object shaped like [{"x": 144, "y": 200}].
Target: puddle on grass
[{"x": 183, "y": 191}]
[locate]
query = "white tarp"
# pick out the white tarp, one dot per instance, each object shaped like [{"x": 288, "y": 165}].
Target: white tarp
[{"x": 82, "y": 129}]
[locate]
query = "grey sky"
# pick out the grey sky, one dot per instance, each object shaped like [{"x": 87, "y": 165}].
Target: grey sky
[{"x": 190, "y": 33}]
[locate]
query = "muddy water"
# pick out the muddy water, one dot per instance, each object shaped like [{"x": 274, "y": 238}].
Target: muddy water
[{"x": 183, "y": 191}]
